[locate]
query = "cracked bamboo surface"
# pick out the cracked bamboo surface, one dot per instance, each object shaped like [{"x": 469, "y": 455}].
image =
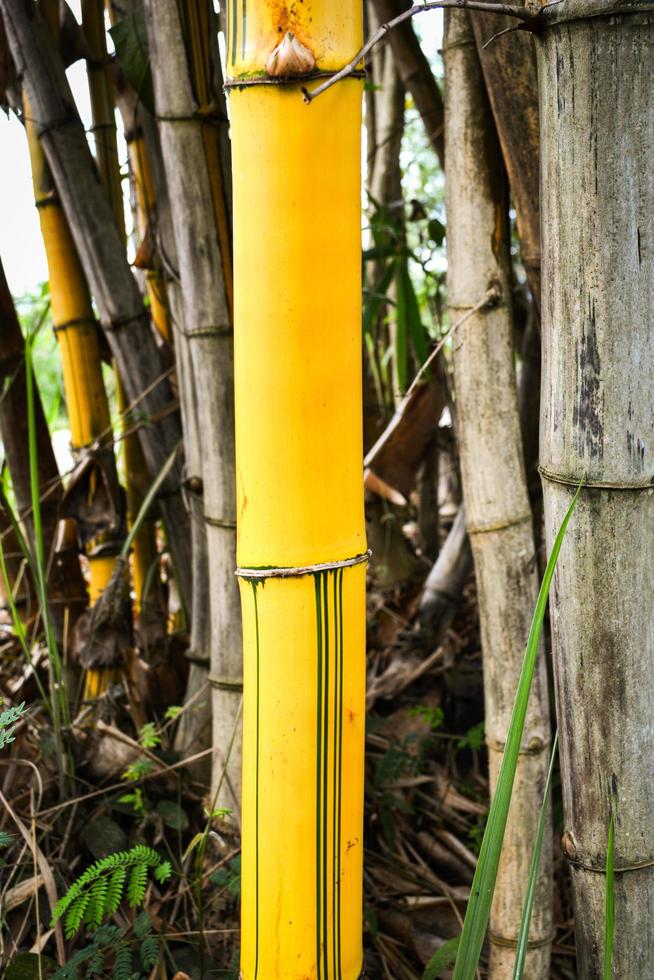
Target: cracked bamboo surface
[
  {"x": 497, "y": 508},
  {"x": 596, "y": 79},
  {"x": 297, "y": 259}
]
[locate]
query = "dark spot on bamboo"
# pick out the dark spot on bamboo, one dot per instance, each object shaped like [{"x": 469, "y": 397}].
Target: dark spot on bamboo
[{"x": 588, "y": 412}]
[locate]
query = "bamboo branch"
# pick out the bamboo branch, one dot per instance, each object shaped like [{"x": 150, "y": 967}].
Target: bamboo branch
[{"x": 528, "y": 22}]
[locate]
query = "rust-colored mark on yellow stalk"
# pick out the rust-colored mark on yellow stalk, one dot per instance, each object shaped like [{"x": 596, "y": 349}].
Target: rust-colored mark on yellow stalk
[{"x": 290, "y": 58}]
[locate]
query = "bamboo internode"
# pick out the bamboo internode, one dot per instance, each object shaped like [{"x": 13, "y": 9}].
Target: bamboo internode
[
  {"x": 597, "y": 426},
  {"x": 297, "y": 243}
]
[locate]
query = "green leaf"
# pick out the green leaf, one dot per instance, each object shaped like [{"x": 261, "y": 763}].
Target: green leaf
[
  {"x": 609, "y": 896},
  {"x": 103, "y": 836},
  {"x": 523, "y": 935},
  {"x": 163, "y": 872},
  {"x": 173, "y": 815},
  {"x": 138, "y": 880},
  {"x": 442, "y": 959},
  {"x": 130, "y": 39},
  {"x": 483, "y": 885},
  {"x": 436, "y": 231},
  {"x": 402, "y": 325},
  {"x": 26, "y": 966},
  {"x": 416, "y": 330},
  {"x": 376, "y": 299}
]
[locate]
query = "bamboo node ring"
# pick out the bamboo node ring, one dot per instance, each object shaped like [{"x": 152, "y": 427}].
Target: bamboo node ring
[
  {"x": 500, "y": 525},
  {"x": 226, "y": 683},
  {"x": 229, "y": 525},
  {"x": 510, "y": 943},
  {"x": 290, "y": 80},
  {"x": 575, "y": 481},
  {"x": 536, "y": 746},
  {"x": 258, "y": 574},
  {"x": 83, "y": 321},
  {"x": 601, "y": 870}
]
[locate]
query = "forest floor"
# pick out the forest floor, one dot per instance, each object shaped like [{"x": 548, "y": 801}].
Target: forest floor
[{"x": 426, "y": 806}]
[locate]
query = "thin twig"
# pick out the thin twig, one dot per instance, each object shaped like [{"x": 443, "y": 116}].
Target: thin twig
[
  {"x": 507, "y": 9},
  {"x": 121, "y": 785},
  {"x": 491, "y": 297}
]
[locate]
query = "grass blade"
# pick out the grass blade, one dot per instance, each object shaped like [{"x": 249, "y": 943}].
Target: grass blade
[
  {"x": 483, "y": 885},
  {"x": 609, "y": 895},
  {"x": 523, "y": 935},
  {"x": 59, "y": 702}
]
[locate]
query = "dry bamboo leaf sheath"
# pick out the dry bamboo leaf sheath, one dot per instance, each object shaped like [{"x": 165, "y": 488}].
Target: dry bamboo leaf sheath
[
  {"x": 596, "y": 77},
  {"x": 497, "y": 508},
  {"x": 301, "y": 540}
]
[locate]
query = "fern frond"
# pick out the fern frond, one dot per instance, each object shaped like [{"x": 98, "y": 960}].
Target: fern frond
[
  {"x": 149, "y": 952},
  {"x": 142, "y": 925},
  {"x": 97, "y": 893},
  {"x": 163, "y": 872},
  {"x": 95, "y": 965},
  {"x": 122, "y": 963},
  {"x": 138, "y": 879},
  {"x": 115, "y": 886},
  {"x": 96, "y": 909},
  {"x": 75, "y": 914}
]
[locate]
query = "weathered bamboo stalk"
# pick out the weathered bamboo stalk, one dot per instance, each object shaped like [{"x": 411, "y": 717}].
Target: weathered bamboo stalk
[
  {"x": 301, "y": 542},
  {"x": 596, "y": 74},
  {"x": 209, "y": 331},
  {"x": 494, "y": 487},
  {"x": 144, "y": 549},
  {"x": 122, "y": 313}
]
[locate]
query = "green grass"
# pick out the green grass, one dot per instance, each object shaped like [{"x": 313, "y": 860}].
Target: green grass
[
  {"x": 483, "y": 885},
  {"x": 523, "y": 935},
  {"x": 609, "y": 896}
]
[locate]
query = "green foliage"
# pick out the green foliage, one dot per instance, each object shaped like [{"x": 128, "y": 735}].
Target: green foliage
[
  {"x": 229, "y": 877},
  {"x": 130, "y": 39},
  {"x": 138, "y": 769},
  {"x": 609, "y": 894},
  {"x": 173, "y": 815},
  {"x": 173, "y": 712},
  {"x": 433, "y": 716},
  {"x": 523, "y": 935},
  {"x": 483, "y": 885},
  {"x": 473, "y": 739},
  {"x": 149, "y": 737},
  {"x": 136, "y": 799},
  {"x": 442, "y": 959},
  {"x": 5, "y": 838},
  {"x": 96, "y": 894},
  {"x": 8, "y": 719}
]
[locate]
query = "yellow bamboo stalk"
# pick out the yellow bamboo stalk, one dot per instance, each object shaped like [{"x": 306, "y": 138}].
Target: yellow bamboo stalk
[
  {"x": 74, "y": 324},
  {"x": 197, "y": 26},
  {"x": 301, "y": 538},
  {"x": 146, "y": 208},
  {"x": 144, "y": 550}
]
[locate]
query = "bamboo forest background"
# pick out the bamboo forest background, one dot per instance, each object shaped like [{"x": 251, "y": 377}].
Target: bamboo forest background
[{"x": 160, "y": 812}]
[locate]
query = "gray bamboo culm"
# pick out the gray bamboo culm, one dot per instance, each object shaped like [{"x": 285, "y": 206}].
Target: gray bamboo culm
[
  {"x": 596, "y": 77},
  {"x": 209, "y": 332},
  {"x": 494, "y": 487}
]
